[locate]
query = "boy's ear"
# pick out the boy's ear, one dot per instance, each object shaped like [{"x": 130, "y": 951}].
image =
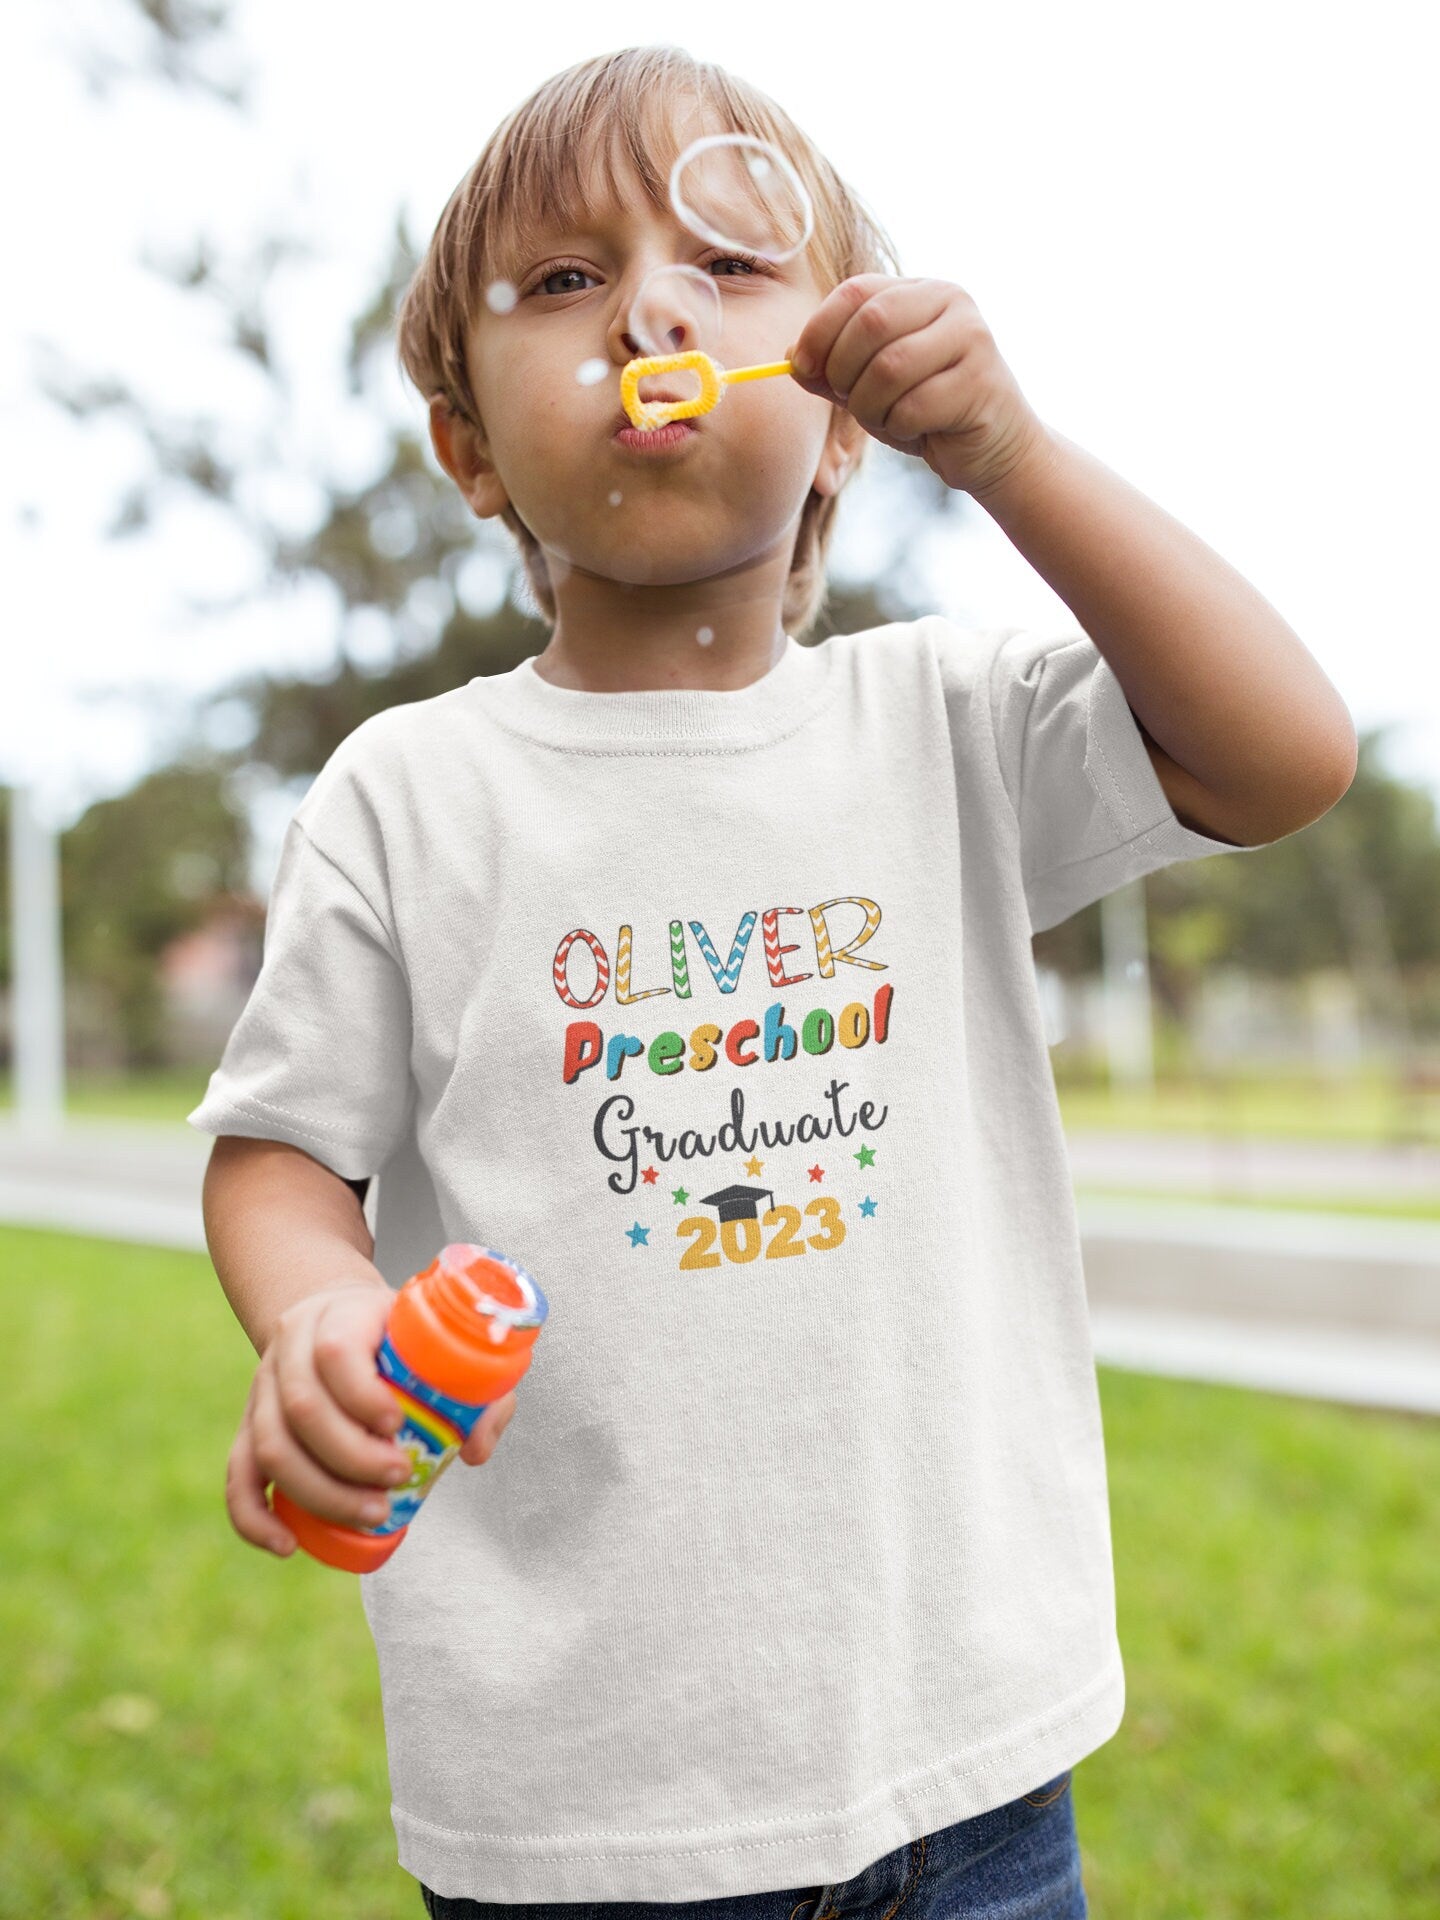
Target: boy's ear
[
  {"x": 460, "y": 448},
  {"x": 838, "y": 454}
]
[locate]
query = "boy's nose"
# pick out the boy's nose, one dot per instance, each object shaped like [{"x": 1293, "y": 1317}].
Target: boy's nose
[{"x": 676, "y": 340}]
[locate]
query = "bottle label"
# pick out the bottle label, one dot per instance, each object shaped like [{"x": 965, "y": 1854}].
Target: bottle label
[{"x": 432, "y": 1432}]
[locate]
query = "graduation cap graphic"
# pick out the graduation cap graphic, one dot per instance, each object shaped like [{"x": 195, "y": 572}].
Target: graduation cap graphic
[{"x": 737, "y": 1203}]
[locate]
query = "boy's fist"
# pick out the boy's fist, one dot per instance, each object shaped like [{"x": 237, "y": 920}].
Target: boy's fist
[
  {"x": 319, "y": 1418},
  {"x": 917, "y": 366}
]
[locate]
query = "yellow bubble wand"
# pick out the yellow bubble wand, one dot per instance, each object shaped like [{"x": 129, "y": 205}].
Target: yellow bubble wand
[{"x": 647, "y": 414}]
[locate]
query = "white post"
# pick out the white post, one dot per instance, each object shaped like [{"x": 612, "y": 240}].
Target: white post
[
  {"x": 37, "y": 1000},
  {"x": 1129, "y": 1041}
]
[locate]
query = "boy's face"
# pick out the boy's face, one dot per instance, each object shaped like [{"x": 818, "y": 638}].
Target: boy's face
[{"x": 729, "y": 497}]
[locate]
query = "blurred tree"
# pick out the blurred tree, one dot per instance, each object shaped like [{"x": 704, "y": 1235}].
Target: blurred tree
[
  {"x": 141, "y": 867},
  {"x": 1358, "y": 889},
  {"x": 136, "y": 871},
  {"x": 182, "y": 42}
]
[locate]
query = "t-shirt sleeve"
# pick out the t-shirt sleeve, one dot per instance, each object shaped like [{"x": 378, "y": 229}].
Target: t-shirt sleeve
[
  {"x": 1092, "y": 812},
  {"x": 320, "y": 1055}
]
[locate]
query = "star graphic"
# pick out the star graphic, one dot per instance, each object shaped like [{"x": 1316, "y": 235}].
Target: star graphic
[
  {"x": 816, "y": 1172},
  {"x": 638, "y": 1236},
  {"x": 866, "y": 1156},
  {"x": 679, "y": 1196},
  {"x": 753, "y": 1166},
  {"x": 649, "y": 1176},
  {"x": 867, "y": 1207}
]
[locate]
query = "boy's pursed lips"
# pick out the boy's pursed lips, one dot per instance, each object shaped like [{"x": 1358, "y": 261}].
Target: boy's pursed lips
[{"x": 623, "y": 420}]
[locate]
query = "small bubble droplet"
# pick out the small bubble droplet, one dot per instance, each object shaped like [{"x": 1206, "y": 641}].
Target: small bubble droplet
[
  {"x": 705, "y": 636},
  {"x": 589, "y": 371},
  {"x": 615, "y": 499},
  {"x": 500, "y": 296}
]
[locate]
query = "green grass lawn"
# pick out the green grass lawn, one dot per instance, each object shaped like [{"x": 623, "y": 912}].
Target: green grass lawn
[
  {"x": 191, "y": 1727},
  {"x": 1369, "y": 1107},
  {"x": 1405, "y": 1206}
]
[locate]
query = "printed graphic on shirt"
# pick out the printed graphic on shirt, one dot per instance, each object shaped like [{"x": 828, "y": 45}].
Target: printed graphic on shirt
[{"x": 701, "y": 1188}]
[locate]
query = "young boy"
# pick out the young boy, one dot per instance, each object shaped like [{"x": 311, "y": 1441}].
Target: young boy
[{"x": 692, "y": 968}]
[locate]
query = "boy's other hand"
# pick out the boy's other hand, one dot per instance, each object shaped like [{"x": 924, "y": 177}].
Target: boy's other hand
[
  {"x": 917, "y": 366},
  {"x": 316, "y": 1420}
]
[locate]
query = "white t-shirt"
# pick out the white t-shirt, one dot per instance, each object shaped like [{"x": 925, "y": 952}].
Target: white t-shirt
[{"x": 718, "y": 1012}]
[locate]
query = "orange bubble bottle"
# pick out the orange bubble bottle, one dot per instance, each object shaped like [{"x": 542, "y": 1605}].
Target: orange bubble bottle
[{"x": 458, "y": 1337}]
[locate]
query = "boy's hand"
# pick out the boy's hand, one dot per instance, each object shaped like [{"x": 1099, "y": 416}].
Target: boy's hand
[
  {"x": 317, "y": 1417},
  {"x": 917, "y": 366}
]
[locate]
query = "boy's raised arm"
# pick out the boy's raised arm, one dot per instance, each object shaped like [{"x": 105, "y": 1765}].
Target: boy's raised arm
[
  {"x": 280, "y": 1226},
  {"x": 1248, "y": 737}
]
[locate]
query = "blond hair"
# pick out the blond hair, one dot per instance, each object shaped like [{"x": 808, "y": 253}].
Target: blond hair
[{"x": 535, "y": 160}]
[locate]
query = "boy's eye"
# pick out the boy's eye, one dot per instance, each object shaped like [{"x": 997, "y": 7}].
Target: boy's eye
[
  {"x": 746, "y": 260},
  {"x": 559, "y": 273}
]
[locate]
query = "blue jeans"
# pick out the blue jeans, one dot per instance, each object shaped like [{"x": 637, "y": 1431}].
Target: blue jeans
[{"x": 1016, "y": 1862}]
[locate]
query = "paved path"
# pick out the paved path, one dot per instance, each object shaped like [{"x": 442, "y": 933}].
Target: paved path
[
  {"x": 1330, "y": 1306},
  {"x": 1324, "y": 1305},
  {"x": 124, "y": 1182}
]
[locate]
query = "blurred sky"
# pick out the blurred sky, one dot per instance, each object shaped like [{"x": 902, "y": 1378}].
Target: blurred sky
[{"x": 1203, "y": 239}]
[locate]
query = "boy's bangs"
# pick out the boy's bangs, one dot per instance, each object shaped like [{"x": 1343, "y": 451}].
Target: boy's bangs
[
  {"x": 557, "y": 184},
  {"x": 557, "y": 179}
]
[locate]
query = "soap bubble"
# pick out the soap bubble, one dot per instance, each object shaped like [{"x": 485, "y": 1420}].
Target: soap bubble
[
  {"x": 705, "y": 636},
  {"x": 589, "y": 371},
  {"x": 616, "y": 498},
  {"x": 737, "y": 191},
  {"x": 676, "y": 310},
  {"x": 501, "y": 296}
]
